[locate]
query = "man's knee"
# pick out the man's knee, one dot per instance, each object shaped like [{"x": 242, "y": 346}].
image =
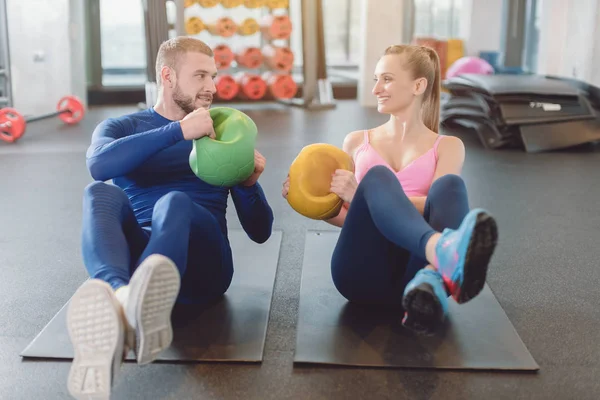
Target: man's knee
[
  {"x": 174, "y": 200},
  {"x": 101, "y": 191},
  {"x": 171, "y": 205}
]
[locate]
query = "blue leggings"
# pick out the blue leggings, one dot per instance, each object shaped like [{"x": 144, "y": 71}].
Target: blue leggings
[
  {"x": 114, "y": 243},
  {"x": 382, "y": 243}
]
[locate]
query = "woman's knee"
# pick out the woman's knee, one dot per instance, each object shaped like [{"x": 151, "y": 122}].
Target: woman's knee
[
  {"x": 446, "y": 183},
  {"x": 378, "y": 174},
  {"x": 377, "y": 177}
]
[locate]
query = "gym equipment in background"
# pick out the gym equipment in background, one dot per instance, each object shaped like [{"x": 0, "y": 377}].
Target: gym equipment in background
[
  {"x": 258, "y": 33},
  {"x": 310, "y": 180},
  {"x": 532, "y": 112},
  {"x": 229, "y": 158},
  {"x": 227, "y": 87},
  {"x": 455, "y": 51},
  {"x": 476, "y": 336},
  {"x": 69, "y": 109},
  {"x": 233, "y": 329},
  {"x": 469, "y": 65},
  {"x": 252, "y": 86},
  {"x": 249, "y": 39},
  {"x": 440, "y": 47}
]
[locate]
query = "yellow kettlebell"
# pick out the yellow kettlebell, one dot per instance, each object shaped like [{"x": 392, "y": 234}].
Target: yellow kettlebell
[{"x": 310, "y": 180}]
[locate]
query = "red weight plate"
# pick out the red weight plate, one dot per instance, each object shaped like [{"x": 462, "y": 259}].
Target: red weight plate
[
  {"x": 282, "y": 86},
  {"x": 75, "y": 110},
  {"x": 278, "y": 58},
  {"x": 227, "y": 87},
  {"x": 253, "y": 86},
  {"x": 12, "y": 125},
  {"x": 281, "y": 27},
  {"x": 223, "y": 56}
]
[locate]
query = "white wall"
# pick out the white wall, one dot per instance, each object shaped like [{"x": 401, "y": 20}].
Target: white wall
[
  {"x": 77, "y": 31},
  {"x": 381, "y": 26},
  {"x": 481, "y": 25},
  {"x": 595, "y": 73},
  {"x": 46, "y": 40},
  {"x": 569, "y": 39}
]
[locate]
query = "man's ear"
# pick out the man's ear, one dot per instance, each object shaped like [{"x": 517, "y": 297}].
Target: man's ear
[
  {"x": 168, "y": 76},
  {"x": 420, "y": 86}
]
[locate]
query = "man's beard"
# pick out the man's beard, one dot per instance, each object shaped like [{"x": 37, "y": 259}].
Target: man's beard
[{"x": 186, "y": 103}]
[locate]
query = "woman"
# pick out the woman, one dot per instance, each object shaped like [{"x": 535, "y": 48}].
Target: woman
[{"x": 407, "y": 234}]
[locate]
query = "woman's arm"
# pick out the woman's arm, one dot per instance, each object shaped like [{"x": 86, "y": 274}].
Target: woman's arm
[
  {"x": 351, "y": 142},
  {"x": 339, "y": 219},
  {"x": 451, "y": 157},
  {"x": 419, "y": 203}
]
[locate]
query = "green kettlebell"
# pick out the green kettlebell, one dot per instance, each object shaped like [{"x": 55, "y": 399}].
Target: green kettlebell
[{"x": 228, "y": 159}]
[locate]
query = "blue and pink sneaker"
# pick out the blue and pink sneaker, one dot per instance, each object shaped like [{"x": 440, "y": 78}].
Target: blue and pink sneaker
[
  {"x": 425, "y": 302},
  {"x": 463, "y": 255}
]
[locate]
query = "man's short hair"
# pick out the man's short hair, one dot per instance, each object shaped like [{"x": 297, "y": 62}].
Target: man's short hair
[{"x": 171, "y": 51}]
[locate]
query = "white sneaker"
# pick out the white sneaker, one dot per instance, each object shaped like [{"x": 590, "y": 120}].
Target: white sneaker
[
  {"x": 148, "y": 301},
  {"x": 96, "y": 329}
]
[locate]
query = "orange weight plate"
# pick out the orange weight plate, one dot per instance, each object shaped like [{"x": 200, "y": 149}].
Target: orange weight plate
[
  {"x": 276, "y": 27},
  {"x": 278, "y": 58},
  {"x": 249, "y": 57},
  {"x": 281, "y": 86},
  {"x": 252, "y": 86},
  {"x": 227, "y": 87},
  {"x": 224, "y": 27},
  {"x": 223, "y": 56}
]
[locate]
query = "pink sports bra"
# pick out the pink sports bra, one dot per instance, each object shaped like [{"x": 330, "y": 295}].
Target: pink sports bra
[{"x": 415, "y": 178}]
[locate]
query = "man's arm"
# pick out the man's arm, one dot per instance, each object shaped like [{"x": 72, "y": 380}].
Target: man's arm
[
  {"x": 115, "y": 152},
  {"x": 253, "y": 210}
]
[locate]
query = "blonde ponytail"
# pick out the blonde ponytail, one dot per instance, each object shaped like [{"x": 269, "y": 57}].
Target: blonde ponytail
[{"x": 431, "y": 104}]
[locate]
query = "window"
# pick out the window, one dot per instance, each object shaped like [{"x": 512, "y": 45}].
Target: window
[
  {"x": 123, "y": 43},
  {"x": 341, "y": 21},
  {"x": 532, "y": 35},
  {"x": 336, "y": 26},
  {"x": 437, "y": 18}
]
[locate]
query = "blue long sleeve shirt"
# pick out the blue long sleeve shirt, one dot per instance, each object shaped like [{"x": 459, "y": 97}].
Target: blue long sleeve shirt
[{"x": 146, "y": 155}]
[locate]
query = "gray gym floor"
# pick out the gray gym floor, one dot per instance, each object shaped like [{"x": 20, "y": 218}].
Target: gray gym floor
[{"x": 545, "y": 273}]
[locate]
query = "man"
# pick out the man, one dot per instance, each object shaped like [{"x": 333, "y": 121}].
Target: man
[{"x": 159, "y": 234}]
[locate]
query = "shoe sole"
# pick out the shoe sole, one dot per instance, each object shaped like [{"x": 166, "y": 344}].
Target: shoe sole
[
  {"x": 481, "y": 248},
  {"x": 97, "y": 334},
  {"x": 153, "y": 294},
  {"x": 423, "y": 310}
]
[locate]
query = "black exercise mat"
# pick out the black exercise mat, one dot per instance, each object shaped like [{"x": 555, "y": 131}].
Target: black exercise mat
[
  {"x": 232, "y": 329},
  {"x": 478, "y": 334},
  {"x": 498, "y": 85}
]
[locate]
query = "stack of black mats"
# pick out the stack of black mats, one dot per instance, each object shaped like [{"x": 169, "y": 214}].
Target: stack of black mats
[{"x": 533, "y": 112}]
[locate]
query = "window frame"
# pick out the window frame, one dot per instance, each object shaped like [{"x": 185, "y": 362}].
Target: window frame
[{"x": 410, "y": 20}]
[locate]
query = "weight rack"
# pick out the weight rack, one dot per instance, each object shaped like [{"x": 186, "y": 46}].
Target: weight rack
[
  {"x": 5, "y": 82},
  {"x": 317, "y": 91}
]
